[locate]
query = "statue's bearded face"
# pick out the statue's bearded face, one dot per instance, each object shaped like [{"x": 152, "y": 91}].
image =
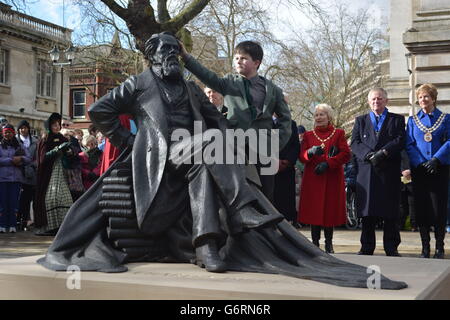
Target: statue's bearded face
[{"x": 166, "y": 55}]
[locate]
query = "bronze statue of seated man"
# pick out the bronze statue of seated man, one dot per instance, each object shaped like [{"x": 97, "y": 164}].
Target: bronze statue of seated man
[{"x": 209, "y": 213}]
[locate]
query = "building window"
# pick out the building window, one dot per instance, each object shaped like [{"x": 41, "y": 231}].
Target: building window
[
  {"x": 4, "y": 61},
  {"x": 45, "y": 79},
  {"x": 33, "y": 132},
  {"x": 79, "y": 103}
]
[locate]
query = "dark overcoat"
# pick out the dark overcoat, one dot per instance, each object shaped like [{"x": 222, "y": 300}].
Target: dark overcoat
[
  {"x": 378, "y": 188},
  {"x": 284, "y": 188},
  {"x": 44, "y": 173}
]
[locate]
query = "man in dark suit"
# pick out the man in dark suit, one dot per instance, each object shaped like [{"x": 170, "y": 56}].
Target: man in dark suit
[{"x": 377, "y": 140}]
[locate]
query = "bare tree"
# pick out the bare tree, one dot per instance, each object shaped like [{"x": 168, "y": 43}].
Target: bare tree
[
  {"x": 131, "y": 22},
  {"x": 140, "y": 17},
  {"x": 326, "y": 62},
  {"x": 224, "y": 23},
  {"x": 19, "y": 5}
]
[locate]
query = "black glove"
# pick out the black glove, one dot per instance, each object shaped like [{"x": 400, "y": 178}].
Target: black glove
[
  {"x": 333, "y": 152},
  {"x": 369, "y": 156},
  {"x": 129, "y": 142},
  {"x": 321, "y": 168},
  {"x": 431, "y": 166},
  {"x": 315, "y": 151},
  {"x": 52, "y": 153},
  {"x": 57, "y": 150},
  {"x": 63, "y": 146},
  {"x": 377, "y": 158}
]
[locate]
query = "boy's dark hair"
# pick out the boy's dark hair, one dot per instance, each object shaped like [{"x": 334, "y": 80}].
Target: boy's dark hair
[{"x": 253, "y": 49}]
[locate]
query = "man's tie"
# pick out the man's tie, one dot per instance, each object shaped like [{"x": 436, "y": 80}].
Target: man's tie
[
  {"x": 377, "y": 130},
  {"x": 249, "y": 98}
]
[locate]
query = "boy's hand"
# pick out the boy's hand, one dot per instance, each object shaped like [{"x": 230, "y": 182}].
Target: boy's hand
[{"x": 183, "y": 53}]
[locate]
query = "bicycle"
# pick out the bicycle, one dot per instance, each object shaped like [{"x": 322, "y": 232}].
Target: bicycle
[{"x": 352, "y": 222}]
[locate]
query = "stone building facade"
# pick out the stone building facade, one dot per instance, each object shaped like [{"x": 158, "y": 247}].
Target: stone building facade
[
  {"x": 419, "y": 52},
  {"x": 98, "y": 69},
  {"x": 29, "y": 83},
  {"x": 397, "y": 85},
  {"x": 428, "y": 43}
]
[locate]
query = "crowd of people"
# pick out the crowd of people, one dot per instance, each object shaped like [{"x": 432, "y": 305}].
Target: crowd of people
[
  {"x": 49, "y": 172},
  {"x": 394, "y": 172}
]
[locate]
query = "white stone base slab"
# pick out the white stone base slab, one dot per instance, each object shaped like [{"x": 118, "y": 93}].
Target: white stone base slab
[{"x": 22, "y": 278}]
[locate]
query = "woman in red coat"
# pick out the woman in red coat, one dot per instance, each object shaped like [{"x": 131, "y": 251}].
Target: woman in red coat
[{"x": 324, "y": 151}]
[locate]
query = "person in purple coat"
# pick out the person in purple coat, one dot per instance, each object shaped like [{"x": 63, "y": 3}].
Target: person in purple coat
[{"x": 12, "y": 158}]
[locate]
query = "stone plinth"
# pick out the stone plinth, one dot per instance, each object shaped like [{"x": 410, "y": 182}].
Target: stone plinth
[{"x": 22, "y": 278}]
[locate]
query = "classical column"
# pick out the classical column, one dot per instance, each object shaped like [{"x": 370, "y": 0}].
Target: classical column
[
  {"x": 428, "y": 41},
  {"x": 398, "y": 86}
]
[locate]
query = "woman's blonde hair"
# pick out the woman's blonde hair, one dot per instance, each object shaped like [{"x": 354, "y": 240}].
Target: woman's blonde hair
[
  {"x": 430, "y": 89},
  {"x": 78, "y": 131},
  {"x": 328, "y": 110},
  {"x": 87, "y": 139}
]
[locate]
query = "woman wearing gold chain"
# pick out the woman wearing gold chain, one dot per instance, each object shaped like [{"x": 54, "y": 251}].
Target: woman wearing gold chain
[
  {"x": 324, "y": 151},
  {"x": 428, "y": 147}
]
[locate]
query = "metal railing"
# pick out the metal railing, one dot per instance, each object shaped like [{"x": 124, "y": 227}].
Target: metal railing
[{"x": 23, "y": 21}]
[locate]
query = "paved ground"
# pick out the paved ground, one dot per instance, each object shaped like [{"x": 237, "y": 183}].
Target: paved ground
[{"x": 24, "y": 244}]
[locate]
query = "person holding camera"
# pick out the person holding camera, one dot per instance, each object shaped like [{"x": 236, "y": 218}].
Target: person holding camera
[
  {"x": 53, "y": 197},
  {"x": 324, "y": 151}
]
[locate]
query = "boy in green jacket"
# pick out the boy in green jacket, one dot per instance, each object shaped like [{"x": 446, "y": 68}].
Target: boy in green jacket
[{"x": 251, "y": 99}]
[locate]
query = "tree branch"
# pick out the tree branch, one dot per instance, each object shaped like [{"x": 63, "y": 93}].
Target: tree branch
[
  {"x": 163, "y": 12},
  {"x": 185, "y": 16},
  {"x": 114, "y": 7}
]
